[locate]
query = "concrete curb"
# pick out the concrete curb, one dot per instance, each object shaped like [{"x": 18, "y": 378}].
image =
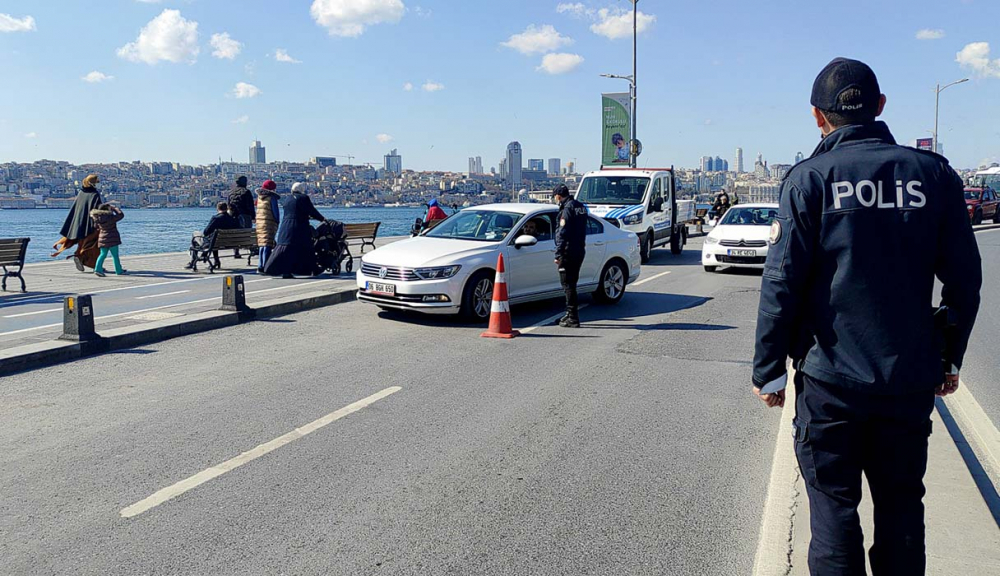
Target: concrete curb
[
  {"x": 39, "y": 355},
  {"x": 985, "y": 227}
]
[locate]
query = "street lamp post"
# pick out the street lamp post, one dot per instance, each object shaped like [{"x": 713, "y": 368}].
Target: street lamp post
[
  {"x": 937, "y": 107},
  {"x": 633, "y": 92}
]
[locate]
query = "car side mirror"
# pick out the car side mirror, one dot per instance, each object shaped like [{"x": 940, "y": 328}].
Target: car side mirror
[{"x": 525, "y": 241}]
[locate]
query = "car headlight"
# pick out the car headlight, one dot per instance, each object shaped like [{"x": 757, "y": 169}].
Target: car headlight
[
  {"x": 710, "y": 240},
  {"x": 632, "y": 220},
  {"x": 437, "y": 273}
]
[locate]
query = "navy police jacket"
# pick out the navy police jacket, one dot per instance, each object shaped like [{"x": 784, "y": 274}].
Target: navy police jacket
[
  {"x": 571, "y": 236},
  {"x": 864, "y": 227}
]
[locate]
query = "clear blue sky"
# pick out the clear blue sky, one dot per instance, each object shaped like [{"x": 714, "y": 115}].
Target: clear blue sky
[{"x": 713, "y": 76}]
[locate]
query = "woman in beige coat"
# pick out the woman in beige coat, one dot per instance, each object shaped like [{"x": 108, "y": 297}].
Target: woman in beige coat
[{"x": 268, "y": 219}]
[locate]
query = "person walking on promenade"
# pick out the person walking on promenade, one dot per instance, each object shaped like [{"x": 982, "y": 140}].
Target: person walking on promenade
[
  {"x": 268, "y": 219},
  {"x": 294, "y": 254},
  {"x": 220, "y": 221},
  {"x": 864, "y": 227},
  {"x": 78, "y": 229},
  {"x": 241, "y": 206},
  {"x": 571, "y": 245},
  {"x": 106, "y": 217}
]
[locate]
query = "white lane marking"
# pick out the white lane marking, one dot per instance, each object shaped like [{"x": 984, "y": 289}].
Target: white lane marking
[
  {"x": 136, "y": 287},
  {"x": 200, "y": 478},
  {"x": 547, "y": 321},
  {"x": 775, "y": 544},
  {"x": 35, "y": 313},
  {"x": 292, "y": 286},
  {"x": 979, "y": 430},
  {"x": 162, "y": 295},
  {"x": 132, "y": 312},
  {"x": 651, "y": 278}
]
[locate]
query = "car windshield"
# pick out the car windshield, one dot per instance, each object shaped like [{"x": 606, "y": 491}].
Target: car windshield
[
  {"x": 972, "y": 194},
  {"x": 479, "y": 225},
  {"x": 749, "y": 217},
  {"x": 612, "y": 190}
]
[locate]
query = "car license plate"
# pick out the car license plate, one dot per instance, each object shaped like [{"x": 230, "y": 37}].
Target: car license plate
[
  {"x": 750, "y": 253},
  {"x": 379, "y": 288}
]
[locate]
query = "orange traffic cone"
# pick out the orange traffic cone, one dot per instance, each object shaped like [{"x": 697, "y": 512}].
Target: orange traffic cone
[{"x": 500, "y": 326}]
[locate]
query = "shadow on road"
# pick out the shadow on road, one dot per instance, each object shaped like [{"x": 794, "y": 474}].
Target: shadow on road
[{"x": 676, "y": 326}]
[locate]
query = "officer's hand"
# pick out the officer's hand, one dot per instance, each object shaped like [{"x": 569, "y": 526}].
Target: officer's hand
[
  {"x": 558, "y": 261},
  {"x": 772, "y": 400},
  {"x": 950, "y": 385}
]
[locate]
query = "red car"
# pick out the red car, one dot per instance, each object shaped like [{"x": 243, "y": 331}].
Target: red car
[{"x": 983, "y": 204}]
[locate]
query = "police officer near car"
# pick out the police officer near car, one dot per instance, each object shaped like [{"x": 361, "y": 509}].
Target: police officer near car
[
  {"x": 863, "y": 229},
  {"x": 571, "y": 244}
]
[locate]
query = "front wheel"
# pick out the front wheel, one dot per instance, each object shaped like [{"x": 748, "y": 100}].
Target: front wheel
[
  {"x": 611, "y": 288},
  {"x": 711, "y": 268},
  {"x": 646, "y": 249},
  {"x": 996, "y": 216},
  {"x": 477, "y": 298}
]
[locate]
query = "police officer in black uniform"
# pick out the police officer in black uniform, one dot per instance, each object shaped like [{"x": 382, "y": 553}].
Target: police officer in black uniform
[
  {"x": 864, "y": 227},
  {"x": 571, "y": 245}
]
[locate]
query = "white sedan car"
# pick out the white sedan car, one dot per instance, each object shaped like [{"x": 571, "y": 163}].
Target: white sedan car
[
  {"x": 740, "y": 239},
  {"x": 450, "y": 269}
]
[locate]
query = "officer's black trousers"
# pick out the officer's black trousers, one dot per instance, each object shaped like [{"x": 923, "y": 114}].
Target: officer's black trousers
[
  {"x": 839, "y": 434},
  {"x": 569, "y": 275}
]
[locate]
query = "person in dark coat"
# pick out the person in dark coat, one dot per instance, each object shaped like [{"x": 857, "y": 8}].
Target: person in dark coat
[
  {"x": 241, "y": 206},
  {"x": 78, "y": 229},
  {"x": 294, "y": 255},
  {"x": 221, "y": 221}
]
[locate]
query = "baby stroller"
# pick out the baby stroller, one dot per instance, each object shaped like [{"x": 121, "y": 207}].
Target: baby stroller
[{"x": 330, "y": 243}]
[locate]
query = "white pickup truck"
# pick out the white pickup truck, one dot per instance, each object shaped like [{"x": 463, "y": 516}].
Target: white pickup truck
[{"x": 642, "y": 201}]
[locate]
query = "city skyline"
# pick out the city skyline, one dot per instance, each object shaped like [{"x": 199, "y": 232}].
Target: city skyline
[{"x": 190, "y": 82}]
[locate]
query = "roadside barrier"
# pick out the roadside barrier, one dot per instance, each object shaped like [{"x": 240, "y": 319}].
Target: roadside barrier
[
  {"x": 500, "y": 324},
  {"x": 234, "y": 296},
  {"x": 78, "y": 319}
]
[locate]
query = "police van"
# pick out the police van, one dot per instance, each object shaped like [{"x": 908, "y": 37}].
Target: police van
[{"x": 643, "y": 201}]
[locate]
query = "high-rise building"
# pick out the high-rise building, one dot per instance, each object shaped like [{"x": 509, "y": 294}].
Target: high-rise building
[
  {"x": 536, "y": 164},
  {"x": 760, "y": 158},
  {"x": 394, "y": 163},
  {"x": 555, "y": 166},
  {"x": 721, "y": 165},
  {"x": 739, "y": 160},
  {"x": 707, "y": 163},
  {"x": 472, "y": 166},
  {"x": 799, "y": 157},
  {"x": 479, "y": 165},
  {"x": 514, "y": 164},
  {"x": 571, "y": 167},
  {"x": 503, "y": 169},
  {"x": 257, "y": 153}
]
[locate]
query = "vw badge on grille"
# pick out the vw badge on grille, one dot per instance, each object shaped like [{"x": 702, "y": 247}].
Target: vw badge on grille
[{"x": 383, "y": 272}]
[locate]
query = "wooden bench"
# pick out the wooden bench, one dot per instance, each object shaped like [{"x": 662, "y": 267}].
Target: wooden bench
[
  {"x": 12, "y": 253},
  {"x": 237, "y": 239},
  {"x": 361, "y": 234}
]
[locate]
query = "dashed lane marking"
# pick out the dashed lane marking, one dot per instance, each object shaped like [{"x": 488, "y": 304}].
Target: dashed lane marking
[
  {"x": 651, "y": 278},
  {"x": 163, "y": 295},
  {"x": 200, "y": 478}
]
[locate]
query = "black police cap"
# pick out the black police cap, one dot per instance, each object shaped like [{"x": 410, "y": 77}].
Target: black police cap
[
  {"x": 560, "y": 190},
  {"x": 843, "y": 74}
]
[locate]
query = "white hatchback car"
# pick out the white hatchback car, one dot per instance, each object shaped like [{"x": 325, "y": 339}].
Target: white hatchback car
[
  {"x": 450, "y": 269},
  {"x": 740, "y": 239}
]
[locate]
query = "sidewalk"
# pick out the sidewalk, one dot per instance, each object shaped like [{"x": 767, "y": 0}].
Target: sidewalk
[{"x": 962, "y": 535}]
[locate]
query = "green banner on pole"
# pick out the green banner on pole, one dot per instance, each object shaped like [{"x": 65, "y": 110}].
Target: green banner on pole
[{"x": 616, "y": 117}]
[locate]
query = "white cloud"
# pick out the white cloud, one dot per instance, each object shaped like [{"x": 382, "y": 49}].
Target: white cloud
[
  {"x": 423, "y": 12},
  {"x": 31, "y": 135},
  {"x": 384, "y": 138},
  {"x": 10, "y": 24},
  {"x": 615, "y": 23},
  {"x": 578, "y": 9},
  {"x": 281, "y": 55},
  {"x": 558, "y": 63},
  {"x": 96, "y": 77},
  {"x": 976, "y": 57},
  {"x": 432, "y": 86},
  {"x": 929, "y": 34},
  {"x": 350, "y": 18},
  {"x": 225, "y": 47},
  {"x": 408, "y": 87},
  {"x": 168, "y": 37},
  {"x": 537, "y": 40},
  {"x": 244, "y": 90},
  {"x": 242, "y": 120}
]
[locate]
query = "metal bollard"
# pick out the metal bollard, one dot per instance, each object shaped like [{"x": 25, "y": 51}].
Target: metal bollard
[
  {"x": 234, "y": 298},
  {"x": 78, "y": 319}
]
